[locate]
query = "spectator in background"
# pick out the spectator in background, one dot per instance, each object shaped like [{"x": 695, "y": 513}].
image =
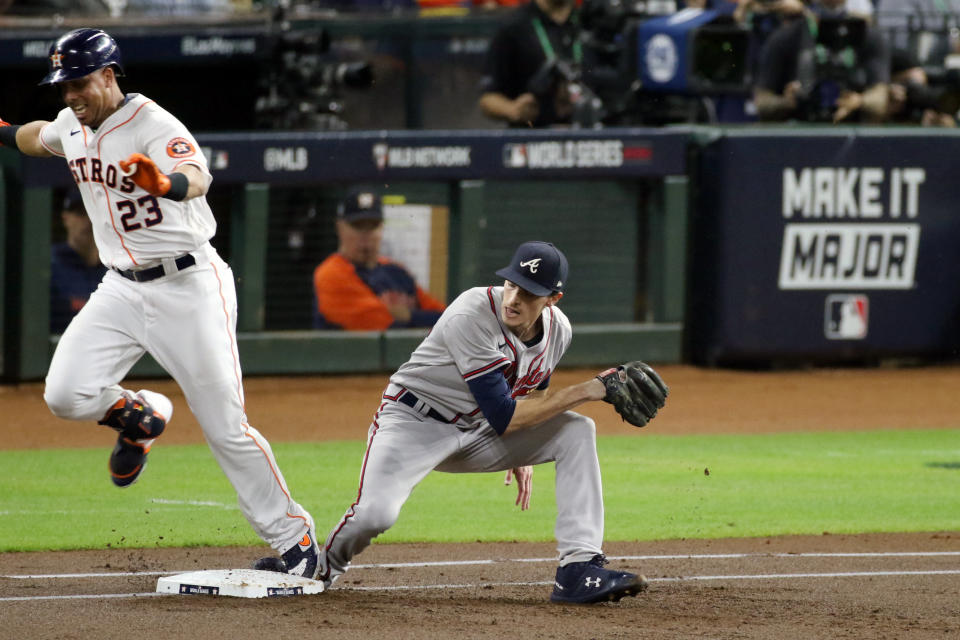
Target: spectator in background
[
  {"x": 913, "y": 100},
  {"x": 749, "y": 11},
  {"x": 762, "y": 18},
  {"x": 790, "y": 82},
  {"x": 75, "y": 269},
  {"x": 921, "y": 27},
  {"x": 523, "y": 81},
  {"x": 358, "y": 289}
]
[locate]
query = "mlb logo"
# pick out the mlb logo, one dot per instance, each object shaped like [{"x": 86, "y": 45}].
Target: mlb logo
[
  {"x": 380, "y": 152},
  {"x": 216, "y": 159},
  {"x": 846, "y": 317},
  {"x": 221, "y": 160},
  {"x": 514, "y": 156}
]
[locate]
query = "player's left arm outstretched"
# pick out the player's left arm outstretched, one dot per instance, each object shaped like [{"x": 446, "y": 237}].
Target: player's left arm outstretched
[{"x": 25, "y": 138}]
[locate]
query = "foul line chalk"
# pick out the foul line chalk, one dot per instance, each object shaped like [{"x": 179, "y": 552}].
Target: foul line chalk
[
  {"x": 459, "y": 563},
  {"x": 488, "y": 585}
]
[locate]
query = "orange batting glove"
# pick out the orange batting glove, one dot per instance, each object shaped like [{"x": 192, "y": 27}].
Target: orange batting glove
[
  {"x": 9, "y": 138},
  {"x": 145, "y": 174}
]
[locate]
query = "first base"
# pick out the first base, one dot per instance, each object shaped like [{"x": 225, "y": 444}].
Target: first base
[{"x": 239, "y": 583}]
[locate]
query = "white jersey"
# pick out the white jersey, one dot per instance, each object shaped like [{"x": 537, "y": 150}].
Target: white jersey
[
  {"x": 470, "y": 340},
  {"x": 127, "y": 317},
  {"x": 131, "y": 228}
]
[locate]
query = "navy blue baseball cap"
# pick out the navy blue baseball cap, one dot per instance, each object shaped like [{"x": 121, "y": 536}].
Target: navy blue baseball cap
[
  {"x": 538, "y": 267},
  {"x": 72, "y": 201},
  {"x": 360, "y": 205}
]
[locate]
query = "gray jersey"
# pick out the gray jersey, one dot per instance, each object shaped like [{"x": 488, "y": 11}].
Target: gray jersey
[{"x": 470, "y": 340}]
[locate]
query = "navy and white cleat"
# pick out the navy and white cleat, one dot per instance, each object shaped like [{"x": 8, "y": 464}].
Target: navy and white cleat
[{"x": 588, "y": 582}]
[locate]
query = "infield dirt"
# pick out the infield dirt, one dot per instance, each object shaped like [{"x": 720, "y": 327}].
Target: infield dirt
[{"x": 695, "y": 593}]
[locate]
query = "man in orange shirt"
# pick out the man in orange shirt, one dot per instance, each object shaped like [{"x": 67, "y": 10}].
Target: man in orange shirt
[{"x": 358, "y": 289}]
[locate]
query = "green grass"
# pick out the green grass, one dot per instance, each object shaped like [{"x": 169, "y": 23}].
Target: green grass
[{"x": 655, "y": 488}]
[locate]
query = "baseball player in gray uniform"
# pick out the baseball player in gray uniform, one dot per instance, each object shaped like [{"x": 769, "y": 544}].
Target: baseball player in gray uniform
[
  {"x": 143, "y": 182},
  {"x": 474, "y": 397}
]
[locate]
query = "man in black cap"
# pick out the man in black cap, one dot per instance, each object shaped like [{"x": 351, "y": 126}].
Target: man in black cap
[
  {"x": 474, "y": 397},
  {"x": 75, "y": 268},
  {"x": 356, "y": 288}
]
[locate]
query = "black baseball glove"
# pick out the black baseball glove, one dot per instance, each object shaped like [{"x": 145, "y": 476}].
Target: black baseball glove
[{"x": 635, "y": 390}]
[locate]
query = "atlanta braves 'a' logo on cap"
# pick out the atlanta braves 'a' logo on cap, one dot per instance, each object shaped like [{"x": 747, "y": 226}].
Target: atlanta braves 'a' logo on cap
[
  {"x": 180, "y": 148},
  {"x": 531, "y": 264},
  {"x": 56, "y": 60}
]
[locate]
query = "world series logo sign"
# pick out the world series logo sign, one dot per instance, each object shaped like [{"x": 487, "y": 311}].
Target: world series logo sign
[
  {"x": 576, "y": 154},
  {"x": 846, "y": 317}
]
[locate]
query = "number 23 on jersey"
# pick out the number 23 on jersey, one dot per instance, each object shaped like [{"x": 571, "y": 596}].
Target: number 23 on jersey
[{"x": 142, "y": 212}]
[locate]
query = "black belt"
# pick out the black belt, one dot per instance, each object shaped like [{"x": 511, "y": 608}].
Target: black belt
[
  {"x": 411, "y": 401},
  {"x": 146, "y": 275}
]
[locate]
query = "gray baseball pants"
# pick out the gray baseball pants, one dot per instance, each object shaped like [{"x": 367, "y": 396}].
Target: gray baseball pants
[{"x": 403, "y": 446}]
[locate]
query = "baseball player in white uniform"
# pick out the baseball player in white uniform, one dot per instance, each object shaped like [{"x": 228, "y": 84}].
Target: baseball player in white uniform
[
  {"x": 166, "y": 292},
  {"x": 474, "y": 397}
]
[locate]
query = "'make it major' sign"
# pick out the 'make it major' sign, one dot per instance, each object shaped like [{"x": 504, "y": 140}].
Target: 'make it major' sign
[{"x": 850, "y": 228}]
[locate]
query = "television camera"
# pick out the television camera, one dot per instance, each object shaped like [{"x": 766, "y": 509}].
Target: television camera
[
  {"x": 645, "y": 63},
  {"x": 301, "y": 87}
]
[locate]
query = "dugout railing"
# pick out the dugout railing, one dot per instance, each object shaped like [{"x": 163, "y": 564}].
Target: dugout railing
[
  {"x": 615, "y": 200},
  {"x": 745, "y": 246}
]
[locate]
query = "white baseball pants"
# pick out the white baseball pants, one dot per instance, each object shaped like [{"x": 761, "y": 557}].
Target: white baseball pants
[{"x": 187, "y": 322}]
